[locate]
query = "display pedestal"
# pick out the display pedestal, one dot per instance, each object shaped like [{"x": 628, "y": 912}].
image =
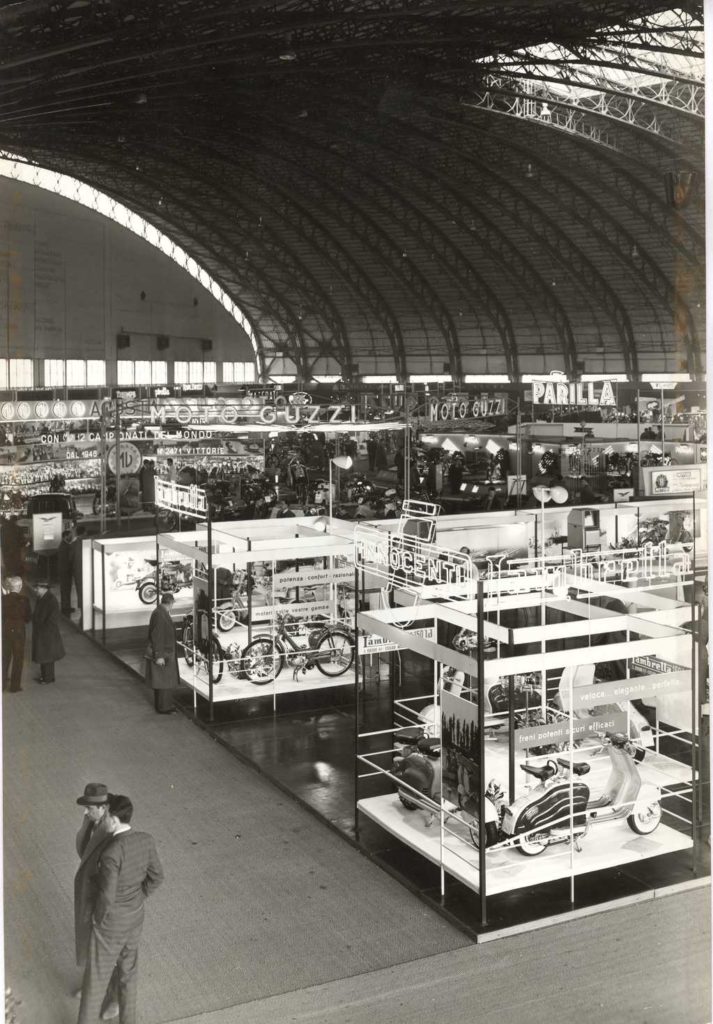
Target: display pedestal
[{"x": 607, "y": 845}]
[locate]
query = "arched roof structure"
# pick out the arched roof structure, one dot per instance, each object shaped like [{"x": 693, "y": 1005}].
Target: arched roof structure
[{"x": 467, "y": 187}]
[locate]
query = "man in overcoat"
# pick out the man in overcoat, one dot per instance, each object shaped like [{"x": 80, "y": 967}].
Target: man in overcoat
[
  {"x": 129, "y": 870},
  {"x": 47, "y": 646},
  {"x": 92, "y": 837},
  {"x": 161, "y": 661},
  {"x": 16, "y": 613}
]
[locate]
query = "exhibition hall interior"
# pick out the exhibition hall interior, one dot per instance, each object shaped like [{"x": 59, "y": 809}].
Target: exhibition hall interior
[{"x": 353, "y": 506}]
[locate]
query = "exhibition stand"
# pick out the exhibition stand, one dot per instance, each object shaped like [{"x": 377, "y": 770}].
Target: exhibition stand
[
  {"x": 524, "y": 762},
  {"x": 471, "y": 637}
]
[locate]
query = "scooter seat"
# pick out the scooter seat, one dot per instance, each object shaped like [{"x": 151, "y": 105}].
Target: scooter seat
[
  {"x": 546, "y": 771},
  {"x": 578, "y": 767},
  {"x": 430, "y": 745},
  {"x": 410, "y": 734}
]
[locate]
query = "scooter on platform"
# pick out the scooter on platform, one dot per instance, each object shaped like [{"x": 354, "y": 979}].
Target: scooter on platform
[
  {"x": 559, "y": 809},
  {"x": 414, "y": 764}
]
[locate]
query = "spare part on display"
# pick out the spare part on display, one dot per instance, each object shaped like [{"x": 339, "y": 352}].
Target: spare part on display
[
  {"x": 328, "y": 648},
  {"x": 559, "y": 808}
]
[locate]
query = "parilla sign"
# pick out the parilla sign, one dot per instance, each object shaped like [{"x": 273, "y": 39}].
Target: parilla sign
[{"x": 561, "y": 392}]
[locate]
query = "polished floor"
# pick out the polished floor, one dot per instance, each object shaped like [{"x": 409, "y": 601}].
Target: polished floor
[{"x": 267, "y": 914}]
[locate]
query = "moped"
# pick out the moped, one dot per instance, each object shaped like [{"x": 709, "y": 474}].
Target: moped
[{"x": 560, "y": 810}]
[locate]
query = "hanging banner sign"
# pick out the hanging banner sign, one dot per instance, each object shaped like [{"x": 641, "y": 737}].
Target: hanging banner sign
[
  {"x": 546, "y": 391},
  {"x": 409, "y": 563},
  {"x": 636, "y": 688},
  {"x": 374, "y": 644},
  {"x": 190, "y": 501},
  {"x": 482, "y": 407},
  {"x": 559, "y": 732},
  {"x": 187, "y": 413}
]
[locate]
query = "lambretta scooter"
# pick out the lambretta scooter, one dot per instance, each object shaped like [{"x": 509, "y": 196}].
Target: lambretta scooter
[
  {"x": 415, "y": 765},
  {"x": 544, "y": 816}
]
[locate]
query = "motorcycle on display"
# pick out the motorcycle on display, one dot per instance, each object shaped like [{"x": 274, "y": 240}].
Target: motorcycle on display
[
  {"x": 173, "y": 576},
  {"x": 542, "y": 817},
  {"x": 303, "y": 645},
  {"x": 232, "y": 597},
  {"x": 198, "y": 653}
]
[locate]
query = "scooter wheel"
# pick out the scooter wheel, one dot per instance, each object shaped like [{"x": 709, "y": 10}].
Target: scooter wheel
[
  {"x": 645, "y": 818},
  {"x": 408, "y": 804},
  {"x": 530, "y": 847}
]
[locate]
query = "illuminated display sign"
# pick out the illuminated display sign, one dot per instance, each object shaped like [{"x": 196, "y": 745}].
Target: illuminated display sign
[
  {"x": 561, "y": 392},
  {"x": 409, "y": 563},
  {"x": 456, "y": 408},
  {"x": 190, "y": 501},
  {"x": 249, "y": 410},
  {"x": 47, "y": 409},
  {"x": 559, "y": 732}
]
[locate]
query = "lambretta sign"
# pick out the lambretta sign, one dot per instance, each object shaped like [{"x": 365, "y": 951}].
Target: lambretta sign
[
  {"x": 191, "y": 501},
  {"x": 555, "y": 392},
  {"x": 410, "y": 563}
]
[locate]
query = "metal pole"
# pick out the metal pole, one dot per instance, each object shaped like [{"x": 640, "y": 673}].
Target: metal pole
[
  {"x": 356, "y": 702},
  {"x": 482, "y": 835},
  {"x": 209, "y": 653},
  {"x": 511, "y": 738},
  {"x": 117, "y": 450},
  {"x": 518, "y": 461},
  {"x": 248, "y": 583}
]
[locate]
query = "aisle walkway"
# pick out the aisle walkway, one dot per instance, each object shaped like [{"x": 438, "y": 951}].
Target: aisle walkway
[{"x": 267, "y": 915}]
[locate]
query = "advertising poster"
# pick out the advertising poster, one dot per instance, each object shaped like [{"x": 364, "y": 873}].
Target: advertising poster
[
  {"x": 460, "y": 764},
  {"x": 663, "y": 481}
]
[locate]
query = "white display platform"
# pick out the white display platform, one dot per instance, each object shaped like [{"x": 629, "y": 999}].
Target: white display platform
[
  {"x": 231, "y": 688},
  {"x": 607, "y": 845},
  {"x": 123, "y": 607}
]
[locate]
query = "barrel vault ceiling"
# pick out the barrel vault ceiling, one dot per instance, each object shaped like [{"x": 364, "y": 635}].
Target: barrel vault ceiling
[{"x": 395, "y": 186}]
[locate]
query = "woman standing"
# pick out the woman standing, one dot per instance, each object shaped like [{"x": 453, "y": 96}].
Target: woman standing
[{"x": 47, "y": 646}]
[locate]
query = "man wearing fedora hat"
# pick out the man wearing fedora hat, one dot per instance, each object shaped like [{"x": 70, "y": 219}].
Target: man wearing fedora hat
[
  {"x": 91, "y": 839},
  {"x": 129, "y": 870}
]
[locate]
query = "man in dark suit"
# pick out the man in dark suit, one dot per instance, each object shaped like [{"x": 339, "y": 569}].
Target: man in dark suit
[
  {"x": 16, "y": 613},
  {"x": 129, "y": 871},
  {"x": 90, "y": 841},
  {"x": 161, "y": 663}
]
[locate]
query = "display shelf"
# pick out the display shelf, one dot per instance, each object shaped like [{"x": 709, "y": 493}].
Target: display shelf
[
  {"x": 607, "y": 845},
  {"x": 230, "y": 688}
]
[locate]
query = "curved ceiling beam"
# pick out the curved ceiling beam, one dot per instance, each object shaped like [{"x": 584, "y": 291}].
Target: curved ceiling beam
[
  {"x": 254, "y": 235},
  {"x": 456, "y": 207},
  {"x": 372, "y": 234},
  {"x": 42, "y": 174},
  {"x": 194, "y": 231},
  {"x": 294, "y": 213}
]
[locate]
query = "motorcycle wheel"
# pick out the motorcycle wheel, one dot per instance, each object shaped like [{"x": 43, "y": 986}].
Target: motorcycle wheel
[
  {"x": 645, "y": 819},
  {"x": 530, "y": 847},
  {"x": 187, "y": 639},
  {"x": 261, "y": 662},
  {"x": 216, "y": 657},
  {"x": 147, "y": 593},
  {"x": 226, "y": 619},
  {"x": 335, "y": 652}
]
